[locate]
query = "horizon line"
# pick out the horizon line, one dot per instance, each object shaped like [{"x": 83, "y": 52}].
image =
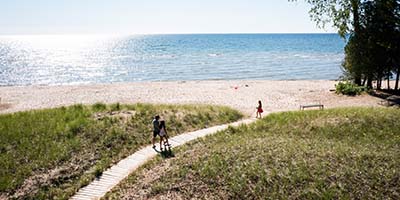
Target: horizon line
[{"x": 133, "y": 34}]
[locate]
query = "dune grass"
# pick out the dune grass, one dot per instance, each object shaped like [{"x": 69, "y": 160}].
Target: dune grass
[
  {"x": 350, "y": 153},
  {"x": 49, "y": 154}
]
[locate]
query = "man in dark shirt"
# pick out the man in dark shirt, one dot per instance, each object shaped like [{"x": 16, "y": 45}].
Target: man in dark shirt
[{"x": 156, "y": 129}]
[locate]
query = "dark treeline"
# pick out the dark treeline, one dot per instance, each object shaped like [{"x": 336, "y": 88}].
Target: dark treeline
[
  {"x": 373, "y": 48},
  {"x": 372, "y": 28}
]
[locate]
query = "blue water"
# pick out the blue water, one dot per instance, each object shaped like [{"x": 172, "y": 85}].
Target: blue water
[{"x": 54, "y": 60}]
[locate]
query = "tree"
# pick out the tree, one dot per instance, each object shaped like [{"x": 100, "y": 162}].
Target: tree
[
  {"x": 372, "y": 28},
  {"x": 379, "y": 25},
  {"x": 345, "y": 16}
]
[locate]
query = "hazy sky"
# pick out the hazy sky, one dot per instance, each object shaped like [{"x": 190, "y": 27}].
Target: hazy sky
[{"x": 154, "y": 16}]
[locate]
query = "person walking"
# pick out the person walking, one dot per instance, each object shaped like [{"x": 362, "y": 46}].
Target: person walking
[
  {"x": 163, "y": 135},
  {"x": 156, "y": 129},
  {"x": 259, "y": 109}
]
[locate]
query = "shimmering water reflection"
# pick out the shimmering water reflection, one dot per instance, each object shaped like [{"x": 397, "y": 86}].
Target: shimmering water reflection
[{"x": 58, "y": 59}]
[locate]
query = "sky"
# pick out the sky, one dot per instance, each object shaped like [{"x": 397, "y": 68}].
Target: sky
[{"x": 25, "y": 17}]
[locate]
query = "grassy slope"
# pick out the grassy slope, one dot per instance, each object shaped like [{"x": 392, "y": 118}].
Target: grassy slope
[
  {"x": 51, "y": 153},
  {"x": 340, "y": 153}
]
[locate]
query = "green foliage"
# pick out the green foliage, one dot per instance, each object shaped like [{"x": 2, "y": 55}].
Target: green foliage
[
  {"x": 98, "y": 171},
  {"x": 348, "y": 88},
  {"x": 115, "y": 107},
  {"x": 370, "y": 53},
  {"x": 339, "y": 13},
  {"x": 372, "y": 30},
  {"x": 347, "y": 153},
  {"x": 99, "y": 107},
  {"x": 63, "y": 149}
]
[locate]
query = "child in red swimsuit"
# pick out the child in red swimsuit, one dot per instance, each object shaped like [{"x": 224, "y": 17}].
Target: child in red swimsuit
[{"x": 259, "y": 109}]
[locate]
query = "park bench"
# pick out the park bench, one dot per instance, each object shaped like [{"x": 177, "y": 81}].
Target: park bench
[{"x": 320, "y": 106}]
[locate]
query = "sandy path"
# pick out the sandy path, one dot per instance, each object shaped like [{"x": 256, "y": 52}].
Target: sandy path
[{"x": 241, "y": 94}]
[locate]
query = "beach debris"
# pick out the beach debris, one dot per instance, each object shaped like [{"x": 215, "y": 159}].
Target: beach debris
[
  {"x": 4, "y": 106},
  {"x": 246, "y": 85},
  {"x": 235, "y": 87}
]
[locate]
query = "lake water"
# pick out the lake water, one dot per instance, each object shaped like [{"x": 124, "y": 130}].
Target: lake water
[{"x": 59, "y": 59}]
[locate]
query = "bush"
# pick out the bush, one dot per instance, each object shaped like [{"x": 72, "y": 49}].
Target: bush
[{"x": 348, "y": 88}]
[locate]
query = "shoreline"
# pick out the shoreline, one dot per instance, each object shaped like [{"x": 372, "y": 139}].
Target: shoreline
[
  {"x": 163, "y": 81},
  {"x": 276, "y": 95}
]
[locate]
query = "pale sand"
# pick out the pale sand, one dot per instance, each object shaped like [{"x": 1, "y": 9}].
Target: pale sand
[{"x": 239, "y": 94}]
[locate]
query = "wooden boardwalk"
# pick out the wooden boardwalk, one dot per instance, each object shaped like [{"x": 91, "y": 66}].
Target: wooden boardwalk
[{"x": 112, "y": 176}]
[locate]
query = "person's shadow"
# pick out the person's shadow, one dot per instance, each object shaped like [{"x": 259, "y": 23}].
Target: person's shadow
[{"x": 166, "y": 152}]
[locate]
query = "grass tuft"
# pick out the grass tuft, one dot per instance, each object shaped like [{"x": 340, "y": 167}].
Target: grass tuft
[{"x": 97, "y": 107}]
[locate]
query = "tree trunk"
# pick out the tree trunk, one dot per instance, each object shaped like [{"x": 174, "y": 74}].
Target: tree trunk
[
  {"x": 356, "y": 15},
  {"x": 397, "y": 78},
  {"x": 364, "y": 81},
  {"x": 356, "y": 24},
  {"x": 379, "y": 83},
  {"x": 369, "y": 83},
  {"x": 388, "y": 81},
  {"x": 357, "y": 80}
]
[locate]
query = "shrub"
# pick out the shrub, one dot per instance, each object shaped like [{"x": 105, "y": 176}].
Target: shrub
[
  {"x": 98, "y": 171},
  {"x": 348, "y": 88}
]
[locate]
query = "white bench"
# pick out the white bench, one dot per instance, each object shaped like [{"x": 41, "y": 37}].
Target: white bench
[{"x": 320, "y": 106}]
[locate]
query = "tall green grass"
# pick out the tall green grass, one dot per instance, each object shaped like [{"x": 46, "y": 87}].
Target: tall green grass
[
  {"x": 51, "y": 153},
  {"x": 333, "y": 154}
]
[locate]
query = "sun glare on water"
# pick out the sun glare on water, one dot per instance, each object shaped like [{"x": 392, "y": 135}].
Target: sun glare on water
[{"x": 71, "y": 57}]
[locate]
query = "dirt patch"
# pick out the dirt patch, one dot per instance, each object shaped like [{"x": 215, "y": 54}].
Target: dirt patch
[
  {"x": 334, "y": 121},
  {"x": 73, "y": 168},
  {"x": 3, "y": 197},
  {"x": 179, "y": 115},
  {"x": 124, "y": 115}
]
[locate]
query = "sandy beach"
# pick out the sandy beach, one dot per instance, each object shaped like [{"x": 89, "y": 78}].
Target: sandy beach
[{"x": 241, "y": 94}]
